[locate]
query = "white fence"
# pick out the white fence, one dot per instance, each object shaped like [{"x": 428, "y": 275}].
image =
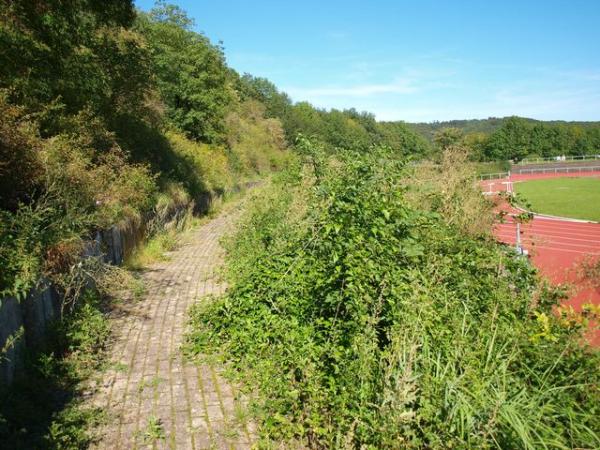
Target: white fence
[
  {"x": 542, "y": 170},
  {"x": 559, "y": 159},
  {"x": 494, "y": 176},
  {"x": 556, "y": 170}
]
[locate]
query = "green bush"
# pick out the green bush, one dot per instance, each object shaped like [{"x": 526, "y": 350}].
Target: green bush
[
  {"x": 86, "y": 96},
  {"x": 83, "y": 181},
  {"x": 27, "y": 237},
  {"x": 104, "y": 186},
  {"x": 209, "y": 162},
  {"x": 256, "y": 144},
  {"x": 20, "y": 168},
  {"x": 366, "y": 322}
]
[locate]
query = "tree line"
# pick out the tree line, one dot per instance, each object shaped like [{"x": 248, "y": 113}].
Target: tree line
[{"x": 514, "y": 138}]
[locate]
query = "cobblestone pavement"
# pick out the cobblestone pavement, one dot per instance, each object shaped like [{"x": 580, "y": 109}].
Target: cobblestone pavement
[{"x": 152, "y": 396}]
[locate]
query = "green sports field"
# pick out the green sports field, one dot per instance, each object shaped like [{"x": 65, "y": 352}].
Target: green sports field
[{"x": 578, "y": 198}]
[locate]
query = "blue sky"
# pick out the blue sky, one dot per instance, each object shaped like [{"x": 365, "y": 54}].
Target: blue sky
[{"x": 417, "y": 60}]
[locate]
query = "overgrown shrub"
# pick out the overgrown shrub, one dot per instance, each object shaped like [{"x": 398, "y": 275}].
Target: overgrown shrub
[
  {"x": 255, "y": 147},
  {"x": 84, "y": 182},
  {"x": 87, "y": 170},
  {"x": 20, "y": 168},
  {"x": 27, "y": 236},
  {"x": 368, "y": 322},
  {"x": 172, "y": 210},
  {"x": 256, "y": 143},
  {"x": 451, "y": 189},
  {"x": 208, "y": 161}
]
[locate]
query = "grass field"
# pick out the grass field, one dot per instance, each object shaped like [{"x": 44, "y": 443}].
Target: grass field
[{"x": 578, "y": 198}]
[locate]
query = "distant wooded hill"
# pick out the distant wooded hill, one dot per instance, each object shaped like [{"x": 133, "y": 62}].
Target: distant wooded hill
[
  {"x": 512, "y": 137},
  {"x": 487, "y": 126}
]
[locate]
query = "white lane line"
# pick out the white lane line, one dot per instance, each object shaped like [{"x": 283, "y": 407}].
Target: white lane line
[
  {"x": 553, "y": 231},
  {"x": 536, "y": 239},
  {"x": 540, "y": 247},
  {"x": 550, "y": 235}
]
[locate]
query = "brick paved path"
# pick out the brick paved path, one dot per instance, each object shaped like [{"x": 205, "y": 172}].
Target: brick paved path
[{"x": 155, "y": 399}]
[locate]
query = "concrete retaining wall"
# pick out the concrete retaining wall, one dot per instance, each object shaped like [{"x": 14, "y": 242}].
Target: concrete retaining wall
[
  {"x": 12, "y": 354},
  {"x": 27, "y": 320},
  {"x": 23, "y": 324}
]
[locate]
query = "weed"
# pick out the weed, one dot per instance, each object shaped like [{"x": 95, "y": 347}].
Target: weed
[
  {"x": 70, "y": 429},
  {"x": 241, "y": 414},
  {"x": 450, "y": 189},
  {"x": 230, "y": 431},
  {"x": 152, "y": 251},
  {"x": 154, "y": 431},
  {"x": 150, "y": 383},
  {"x": 120, "y": 367},
  {"x": 10, "y": 342}
]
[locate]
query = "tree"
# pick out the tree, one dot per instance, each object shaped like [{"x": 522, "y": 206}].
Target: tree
[
  {"x": 277, "y": 104},
  {"x": 476, "y": 143},
  {"x": 403, "y": 139},
  {"x": 65, "y": 56},
  {"x": 511, "y": 141},
  {"x": 191, "y": 73},
  {"x": 447, "y": 137}
]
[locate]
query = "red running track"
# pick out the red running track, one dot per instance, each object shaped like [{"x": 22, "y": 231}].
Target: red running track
[
  {"x": 502, "y": 184},
  {"x": 557, "y": 247}
]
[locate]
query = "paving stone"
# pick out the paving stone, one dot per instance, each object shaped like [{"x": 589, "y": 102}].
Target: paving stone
[{"x": 153, "y": 381}]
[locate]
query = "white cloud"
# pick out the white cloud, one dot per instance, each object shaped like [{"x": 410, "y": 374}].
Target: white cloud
[
  {"x": 432, "y": 92},
  {"x": 563, "y": 104},
  {"x": 359, "y": 90}
]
